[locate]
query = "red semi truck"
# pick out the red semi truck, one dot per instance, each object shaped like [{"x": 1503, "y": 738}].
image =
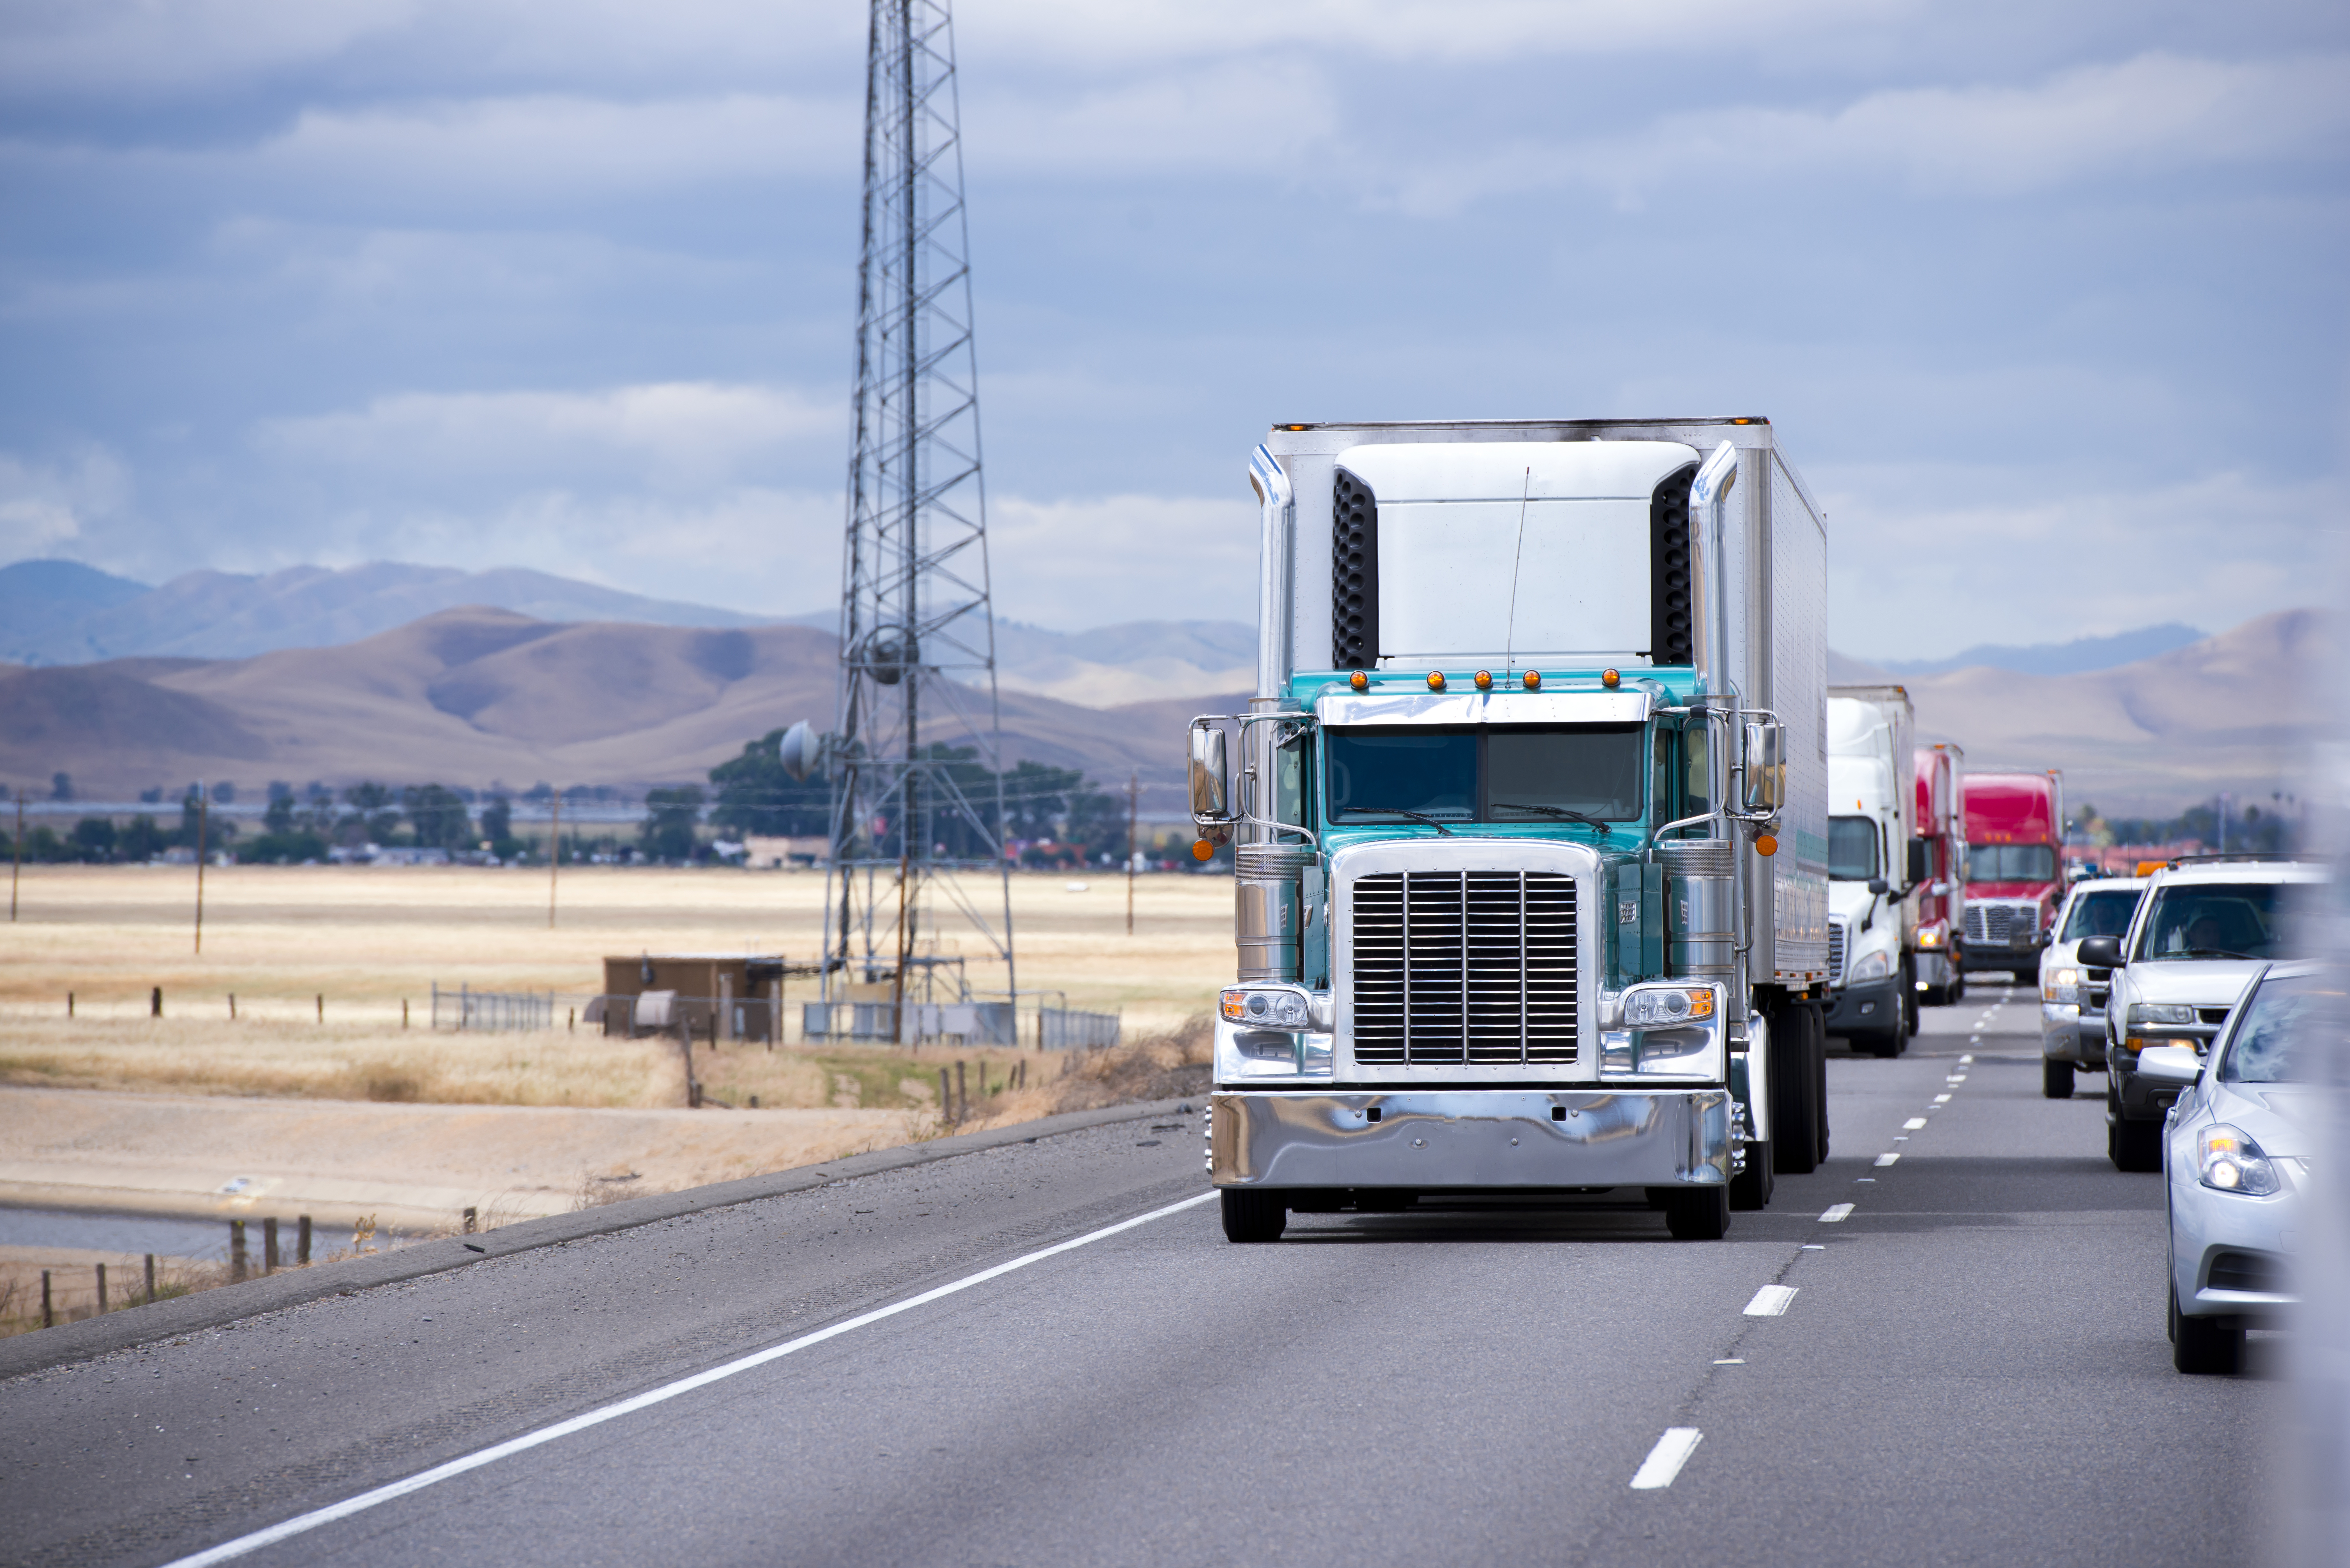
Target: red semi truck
[
  {"x": 2015, "y": 868},
  {"x": 1940, "y": 943}
]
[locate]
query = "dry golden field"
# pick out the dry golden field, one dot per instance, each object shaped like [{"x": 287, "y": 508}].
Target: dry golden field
[{"x": 367, "y": 940}]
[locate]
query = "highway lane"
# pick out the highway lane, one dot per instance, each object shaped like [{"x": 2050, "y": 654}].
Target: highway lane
[{"x": 1970, "y": 1367}]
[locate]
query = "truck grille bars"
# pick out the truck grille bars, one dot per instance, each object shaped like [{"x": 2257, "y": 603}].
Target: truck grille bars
[
  {"x": 1463, "y": 966},
  {"x": 1835, "y": 951}
]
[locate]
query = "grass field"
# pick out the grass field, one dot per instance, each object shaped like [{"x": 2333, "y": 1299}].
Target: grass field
[{"x": 366, "y": 940}]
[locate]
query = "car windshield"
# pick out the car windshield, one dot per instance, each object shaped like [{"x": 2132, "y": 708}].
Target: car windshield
[
  {"x": 1852, "y": 849},
  {"x": 1521, "y": 774},
  {"x": 2291, "y": 1028},
  {"x": 2103, "y": 914},
  {"x": 2212, "y": 920},
  {"x": 2011, "y": 863}
]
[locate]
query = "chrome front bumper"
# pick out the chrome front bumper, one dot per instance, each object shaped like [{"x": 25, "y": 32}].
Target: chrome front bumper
[{"x": 1472, "y": 1138}]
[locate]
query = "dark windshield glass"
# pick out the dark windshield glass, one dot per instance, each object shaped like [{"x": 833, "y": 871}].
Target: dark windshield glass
[
  {"x": 2213, "y": 920},
  {"x": 2011, "y": 863},
  {"x": 2102, "y": 914},
  {"x": 1517, "y": 775},
  {"x": 1852, "y": 849},
  {"x": 2289, "y": 1031}
]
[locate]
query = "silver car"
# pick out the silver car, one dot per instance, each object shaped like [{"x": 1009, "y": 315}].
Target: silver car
[{"x": 2237, "y": 1148}]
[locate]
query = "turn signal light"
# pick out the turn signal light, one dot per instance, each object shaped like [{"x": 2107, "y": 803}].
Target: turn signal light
[
  {"x": 1360, "y": 681},
  {"x": 1611, "y": 678},
  {"x": 1534, "y": 681},
  {"x": 1484, "y": 681},
  {"x": 1765, "y": 846},
  {"x": 1203, "y": 850},
  {"x": 1436, "y": 680}
]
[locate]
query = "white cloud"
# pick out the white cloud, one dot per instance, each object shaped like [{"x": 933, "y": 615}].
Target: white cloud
[
  {"x": 2013, "y": 558},
  {"x": 1243, "y": 114},
  {"x": 682, "y": 435},
  {"x": 47, "y": 508},
  {"x": 1071, "y": 563}
]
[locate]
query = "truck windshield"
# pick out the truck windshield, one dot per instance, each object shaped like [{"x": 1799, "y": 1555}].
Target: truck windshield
[
  {"x": 1521, "y": 774},
  {"x": 2011, "y": 863},
  {"x": 1852, "y": 849},
  {"x": 2212, "y": 921},
  {"x": 2101, "y": 914}
]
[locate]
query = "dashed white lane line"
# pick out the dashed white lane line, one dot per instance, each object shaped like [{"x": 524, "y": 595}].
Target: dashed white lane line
[
  {"x": 1964, "y": 1060},
  {"x": 1956, "y": 1078},
  {"x": 1666, "y": 1459},
  {"x": 1770, "y": 1301},
  {"x": 303, "y": 1522},
  {"x": 1836, "y": 1213},
  {"x": 1941, "y": 1099},
  {"x": 1888, "y": 1158},
  {"x": 1913, "y": 1124}
]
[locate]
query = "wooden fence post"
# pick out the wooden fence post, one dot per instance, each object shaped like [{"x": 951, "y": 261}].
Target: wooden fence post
[
  {"x": 150, "y": 1276},
  {"x": 322, "y": 1007},
  {"x": 269, "y": 1245},
  {"x": 302, "y": 1241},
  {"x": 946, "y": 1100},
  {"x": 48, "y": 1314},
  {"x": 236, "y": 1261},
  {"x": 472, "y": 1220},
  {"x": 155, "y": 1003},
  {"x": 962, "y": 1093},
  {"x": 231, "y": 1007},
  {"x": 101, "y": 1289}
]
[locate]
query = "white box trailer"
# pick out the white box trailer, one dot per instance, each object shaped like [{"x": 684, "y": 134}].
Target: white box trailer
[{"x": 1531, "y": 605}]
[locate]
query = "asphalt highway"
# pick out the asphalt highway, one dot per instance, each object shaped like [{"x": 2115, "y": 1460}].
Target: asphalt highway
[{"x": 1967, "y": 1366}]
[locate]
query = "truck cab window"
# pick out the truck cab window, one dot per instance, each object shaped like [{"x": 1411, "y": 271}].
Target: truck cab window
[
  {"x": 1530, "y": 774},
  {"x": 2011, "y": 863},
  {"x": 1697, "y": 771},
  {"x": 1852, "y": 849},
  {"x": 1375, "y": 774},
  {"x": 1289, "y": 785}
]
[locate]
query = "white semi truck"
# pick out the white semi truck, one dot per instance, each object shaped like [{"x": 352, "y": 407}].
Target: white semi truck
[
  {"x": 1529, "y": 814},
  {"x": 1876, "y": 866}
]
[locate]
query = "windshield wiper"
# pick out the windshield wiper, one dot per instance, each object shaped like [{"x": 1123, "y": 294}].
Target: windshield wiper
[
  {"x": 1554, "y": 810},
  {"x": 1398, "y": 811}
]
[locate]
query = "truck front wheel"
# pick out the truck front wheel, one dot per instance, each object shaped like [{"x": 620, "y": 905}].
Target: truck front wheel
[
  {"x": 1251, "y": 1216},
  {"x": 1751, "y": 1188},
  {"x": 1795, "y": 1132},
  {"x": 1697, "y": 1213}
]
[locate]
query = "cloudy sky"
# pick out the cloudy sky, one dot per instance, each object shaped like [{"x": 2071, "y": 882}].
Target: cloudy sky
[{"x": 2046, "y": 299}]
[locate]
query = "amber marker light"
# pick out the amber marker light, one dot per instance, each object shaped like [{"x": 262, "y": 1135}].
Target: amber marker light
[
  {"x": 1611, "y": 678},
  {"x": 1484, "y": 681},
  {"x": 1766, "y": 845},
  {"x": 1360, "y": 681},
  {"x": 1203, "y": 850},
  {"x": 1436, "y": 680},
  {"x": 1534, "y": 681}
]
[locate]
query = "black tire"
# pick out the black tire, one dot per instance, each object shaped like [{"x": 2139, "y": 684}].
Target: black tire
[
  {"x": 1887, "y": 1045},
  {"x": 1251, "y": 1216},
  {"x": 1910, "y": 1007},
  {"x": 1958, "y": 992},
  {"x": 1697, "y": 1213},
  {"x": 2134, "y": 1145},
  {"x": 2202, "y": 1346},
  {"x": 2055, "y": 1079},
  {"x": 1817, "y": 1021},
  {"x": 1751, "y": 1188},
  {"x": 1794, "y": 1132}
]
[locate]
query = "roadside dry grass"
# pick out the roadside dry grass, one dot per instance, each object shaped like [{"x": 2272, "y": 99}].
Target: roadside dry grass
[{"x": 367, "y": 940}]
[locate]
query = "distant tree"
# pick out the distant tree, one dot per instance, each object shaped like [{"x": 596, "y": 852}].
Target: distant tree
[
  {"x": 440, "y": 818},
  {"x": 94, "y": 836},
  {"x": 142, "y": 840},
  {"x": 373, "y": 813},
  {"x": 152, "y": 796},
  {"x": 498, "y": 822},
  {"x": 753, "y": 794},
  {"x": 224, "y": 792},
  {"x": 670, "y": 817},
  {"x": 61, "y": 786},
  {"x": 282, "y": 849},
  {"x": 279, "y": 818}
]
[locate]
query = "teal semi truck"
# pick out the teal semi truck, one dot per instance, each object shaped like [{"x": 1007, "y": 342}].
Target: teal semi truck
[{"x": 1529, "y": 819}]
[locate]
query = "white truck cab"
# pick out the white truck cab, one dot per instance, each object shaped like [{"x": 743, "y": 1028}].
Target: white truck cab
[{"x": 1872, "y": 910}]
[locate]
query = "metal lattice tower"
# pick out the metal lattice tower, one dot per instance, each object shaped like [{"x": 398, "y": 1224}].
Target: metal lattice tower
[{"x": 917, "y": 632}]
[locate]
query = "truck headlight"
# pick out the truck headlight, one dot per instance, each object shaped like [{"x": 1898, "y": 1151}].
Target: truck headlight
[
  {"x": 2146, "y": 1013},
  {"x": 1871, "y": 966},
  {"x": 1267, "y": 1007},
  {"x": 2227, "y": 1159},
  {"x": 2061, "y": 985},
  {"x": 1934, "y": 935},
  {"x": 1669, "y": 1031}
]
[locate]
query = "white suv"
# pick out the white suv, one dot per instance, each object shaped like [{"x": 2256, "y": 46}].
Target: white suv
[{"x": 2204, "y": 928}]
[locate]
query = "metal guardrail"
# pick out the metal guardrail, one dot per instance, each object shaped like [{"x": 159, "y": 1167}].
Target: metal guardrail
[
  {"x": 466, "y": 1008},
  {"x": 1068, "y": 1029}
]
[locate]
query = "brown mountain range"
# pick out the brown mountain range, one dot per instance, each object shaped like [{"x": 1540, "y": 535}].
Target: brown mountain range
[{"x": 481, "y": 696}]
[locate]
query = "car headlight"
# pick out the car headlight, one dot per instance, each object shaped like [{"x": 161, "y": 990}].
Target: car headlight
[
  {"x": 2227, "y": 1159},
  {"x": 2061, "y": 985},
  {"x": 1871, "y": 966},
  {"x": 1669, "y": 1030},
  {"x": 1267, "y": 1007},
  {"x": 2144, "y": 1013}
]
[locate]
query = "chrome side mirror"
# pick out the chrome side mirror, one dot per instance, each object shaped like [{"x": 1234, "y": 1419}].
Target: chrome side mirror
[
  {"x": 1766, "y": 765},
  {"x": 1210, "y": 777}
]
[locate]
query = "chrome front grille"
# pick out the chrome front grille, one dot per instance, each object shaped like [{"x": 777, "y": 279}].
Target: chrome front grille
[
  {"x": 1993, "y": 923},
  {"x": 1835, "y": 951},
  {"x": 1463, "y": 966}
]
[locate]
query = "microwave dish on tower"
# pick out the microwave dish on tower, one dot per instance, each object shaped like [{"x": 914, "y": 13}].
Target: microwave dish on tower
[{"x": 916, "y": 754}]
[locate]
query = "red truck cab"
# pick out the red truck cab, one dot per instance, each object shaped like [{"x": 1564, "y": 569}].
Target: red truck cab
[
  {"x": 1939, "y": 945},
  {"x": 2015, "y": 868}
]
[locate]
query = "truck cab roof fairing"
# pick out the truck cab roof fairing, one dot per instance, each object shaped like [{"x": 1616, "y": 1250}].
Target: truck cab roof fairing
[{"x": 1464, "y": 526}]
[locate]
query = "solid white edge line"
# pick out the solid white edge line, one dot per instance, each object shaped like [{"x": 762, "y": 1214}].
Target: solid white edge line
[
  {"x": 1666, "y": 1459},
  {"x": 1772, "y": 1301},
  {"x": 303, "y": 1523}
]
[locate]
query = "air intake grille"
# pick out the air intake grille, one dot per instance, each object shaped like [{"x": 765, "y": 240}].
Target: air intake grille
[
  {"x": 1464, "y": 967},
  {"x": 1354, "y": 575},
  {"x": 1992, "y": 923},
  {"x": 1669, "y": 641},
  {"x": 1835, "y": 951},
  {"x": 2247, "y": 1271}
]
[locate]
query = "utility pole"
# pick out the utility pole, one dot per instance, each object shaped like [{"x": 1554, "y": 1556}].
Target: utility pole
[
  {"x": 554, "y": 858},
  {"x": 1133, "y": 792},
  {"x": 917, "y": 626},
  {"x": 203, "y": 816}
]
